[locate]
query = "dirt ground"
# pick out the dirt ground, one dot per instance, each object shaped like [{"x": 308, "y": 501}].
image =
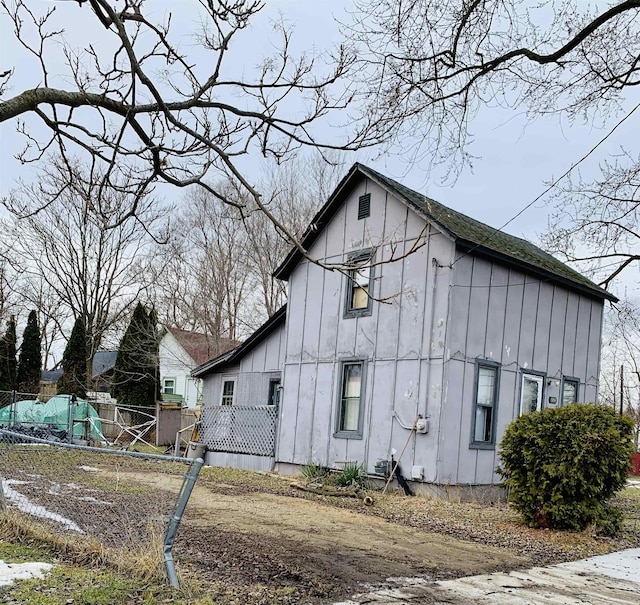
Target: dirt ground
[
  {"x": 319, "y": 552},
  {"x": 252, "y": 538}
]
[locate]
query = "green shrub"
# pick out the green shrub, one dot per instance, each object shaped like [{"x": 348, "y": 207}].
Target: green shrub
[
  {"x": 314, "y": 472},
  {"x": 352, "y": 474},
  {"x": 562, "y": 465}
]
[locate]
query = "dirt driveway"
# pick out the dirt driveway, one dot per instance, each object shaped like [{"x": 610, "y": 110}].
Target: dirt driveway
[{"x": 309, "y": 551}]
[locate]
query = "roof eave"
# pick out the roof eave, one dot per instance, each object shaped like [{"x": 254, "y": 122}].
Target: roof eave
[
  {"x": 594, "y": 291},
  {"x": 246, "y": 347},
  {"x": 318, "y": 222}
]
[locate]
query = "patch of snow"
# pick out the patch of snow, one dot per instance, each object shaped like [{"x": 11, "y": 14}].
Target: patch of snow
[
  {"x": 90, "y": 469},
  {"x": 622, "y": 565},
  {"x": 27, "y": 506},
  {"x": 411, "y": 581},
  {"x": 21, "y": 571},
  {"x": 55, "y": 490}
]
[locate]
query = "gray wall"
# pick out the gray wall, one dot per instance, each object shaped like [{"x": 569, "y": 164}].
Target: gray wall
[
  {"x": 523, "y": 323},
  {"x": 402, "y": 340},
  {"x": 252, "y": 374}
]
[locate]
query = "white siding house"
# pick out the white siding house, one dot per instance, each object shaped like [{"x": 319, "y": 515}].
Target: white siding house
[
  {"x": 434, "y": 319},
  {"x": 180, "y": 351}
]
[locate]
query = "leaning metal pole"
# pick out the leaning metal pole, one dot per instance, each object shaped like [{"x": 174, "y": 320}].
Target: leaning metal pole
[{"x": 174, "y": 521}]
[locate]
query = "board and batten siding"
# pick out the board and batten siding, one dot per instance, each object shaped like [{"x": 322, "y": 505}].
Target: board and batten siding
[
  {"x": 252, "y": 374},
  {"x": 402, "y": 341},
  {"x": 524, "y": 323}
]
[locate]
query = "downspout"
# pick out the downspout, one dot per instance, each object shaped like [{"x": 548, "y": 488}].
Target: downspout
[
  {"x": 444, "y": 354},
  {"x": 435, "y": 264}
]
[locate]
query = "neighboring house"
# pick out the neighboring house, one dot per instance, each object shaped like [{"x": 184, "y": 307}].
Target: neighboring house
[
  {"x": 49, "y": 382},
  {"x": 102, "y": 370},
  {"x": 101, "y": 376},
  {"x": 447, "y": 322},
  {"x": 180, "y": 352}
]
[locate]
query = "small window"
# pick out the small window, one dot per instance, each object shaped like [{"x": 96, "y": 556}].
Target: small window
[
  {"x": 485, "y": 403},
  {"x": 531, "y": 393},
  {"x": 274, "y": 392},
  {"x": 359, "y": 287},
  {"x": 364, "y": 206},
  {"x": 349, "y": 423},
  {"x": 169, "y": 386},
  {"x": 570, "y": 390},
  {"x": 228, "y": 389}
]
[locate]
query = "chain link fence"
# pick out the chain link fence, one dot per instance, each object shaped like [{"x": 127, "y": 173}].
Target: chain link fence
[
  {"x": 74, "y": 419},
  {"x": 239, "y": 429},
  {"x": 95, "y": 502}
]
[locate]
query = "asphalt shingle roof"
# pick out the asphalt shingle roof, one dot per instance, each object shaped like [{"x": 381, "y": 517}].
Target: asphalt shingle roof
[{"x": 468, "y": 233}]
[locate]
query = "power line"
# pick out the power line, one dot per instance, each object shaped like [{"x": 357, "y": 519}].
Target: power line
[{"x": 552, "y": 185}]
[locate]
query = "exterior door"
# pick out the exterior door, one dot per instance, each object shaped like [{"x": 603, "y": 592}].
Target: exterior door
[{"x": 531, "y": 393}]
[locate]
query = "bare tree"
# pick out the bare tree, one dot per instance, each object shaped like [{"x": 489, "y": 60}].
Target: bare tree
[
  {"x": 597, "y": 223},
  {"x": 72, "y": 261},
  {"x": 431, "y": 65},
  {"x": 149, "y": 108},
  {"x": 436, "y": 62},
  {"x": 620, "y": 372},
  {"x": 216, "y": 273},
  {"x": 202, "y": 276}
]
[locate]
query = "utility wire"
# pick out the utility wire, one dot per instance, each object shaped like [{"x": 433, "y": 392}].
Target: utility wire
[{"x": 552, "y": 185}]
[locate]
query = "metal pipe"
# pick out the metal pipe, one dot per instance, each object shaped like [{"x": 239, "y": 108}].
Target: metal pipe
[
  {"x": 88, "y": 448},
  {"x": 174, "y": 521}
]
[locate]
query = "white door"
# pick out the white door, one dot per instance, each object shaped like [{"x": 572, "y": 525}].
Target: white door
[{"x": 531, "y": 393}]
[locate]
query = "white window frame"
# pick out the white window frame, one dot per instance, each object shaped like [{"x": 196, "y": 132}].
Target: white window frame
[
  {"x": 540, "y": 380},
  {"x": 225, "y": 380},
  {"x": 164, "y": 385}
]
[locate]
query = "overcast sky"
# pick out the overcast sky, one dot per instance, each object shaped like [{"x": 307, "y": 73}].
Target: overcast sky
[{"x": 515, "y": 160}]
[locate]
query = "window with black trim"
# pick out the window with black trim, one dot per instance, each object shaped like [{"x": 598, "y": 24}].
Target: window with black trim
[
  {"x": 350, "y": 404},
  {"x": 570, "y": 390},
  {"x": 486, "y": 398},
  {"x": 364, "y": 206},
  {"x": 274, "y": 392},
  {"x": 228, "y": 391},
  {"x": 359, "y": 286}
]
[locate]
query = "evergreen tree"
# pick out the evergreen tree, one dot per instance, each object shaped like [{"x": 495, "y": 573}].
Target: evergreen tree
[
  {"x": 135, "y": 374},
  {"x": 8, "y": 365},
  {"x": 30, "y": 358},
  {"x": 74, "y": 362}
]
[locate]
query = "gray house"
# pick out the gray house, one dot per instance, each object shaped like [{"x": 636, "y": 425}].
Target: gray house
[{"x": 436, "y": 332}]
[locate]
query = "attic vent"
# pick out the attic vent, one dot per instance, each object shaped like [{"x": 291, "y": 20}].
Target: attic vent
[{"x": 364, "y": 206}]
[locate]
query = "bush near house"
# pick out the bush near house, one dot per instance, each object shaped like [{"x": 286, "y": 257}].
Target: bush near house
[{"x": 562, "y": 465}]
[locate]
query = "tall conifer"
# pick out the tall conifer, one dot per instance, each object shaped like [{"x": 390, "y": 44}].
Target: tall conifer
[
  {"x": 30, "y": 358},
  {"x": 74, "y": 362},
  {"x": 8, "y": 364},
  {"x": 135, "y": 374}
]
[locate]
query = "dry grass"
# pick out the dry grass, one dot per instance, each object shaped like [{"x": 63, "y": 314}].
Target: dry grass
[{"x": 144, "y": 561}]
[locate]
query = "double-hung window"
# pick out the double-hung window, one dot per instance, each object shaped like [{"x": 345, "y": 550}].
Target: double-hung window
[
  {"x": 485, "y": 404},
  {"x": 169, "y": 386},
  {"x": 359, "y": 285},
  {"x": 570, "y": 390},
  {"x": 350, "y": 405}
]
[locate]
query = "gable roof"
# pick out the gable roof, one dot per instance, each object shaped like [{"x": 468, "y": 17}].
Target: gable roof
[
  {"x": 232, "y": 357},
  {"x": 469, "y": 234},
  {"x": 201, "y": 347}
]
